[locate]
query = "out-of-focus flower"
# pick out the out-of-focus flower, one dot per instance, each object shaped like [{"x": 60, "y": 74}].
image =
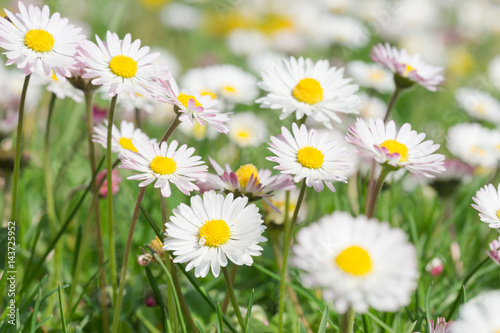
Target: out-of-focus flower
[
  {"x": 479, "y": 315},
  {"x": 61, "y": 89},
  {"x": 121, "y": 139},
  {"x": 494, "y": 252},
  {"x": 306, "y": 155},
  {"x": 144, "y": 259},
  {"x": 397, "y": 149},
  {"x": 487, "y": 201},
  {"x": 275, "y": 217},
  {"x": 494, "y": 71},
  {"x": 247, "y": 130},
  {"x": 407, "y": 68},
  {"x": 456, "y": 173},
  {"x": 166, "y": 164},
  {"x": 34, "y": 39},
  {"x": 150, "y": 301},
  {"x": 435, "y": 267},
  {"x": 308, "y": 89},
  {"x": 371, "y": 107},
  {"x": 195, "y": 106},
  {"x": 371, "y": 76},
  {"x": 212, "y": 231},
  {"x": 479, "y": 104},
  {"x": 116, "y": 179},
  {"x": 99, "y": 114},
  {"x": 346, "y": 31},
  {"x": 121, "y": 65},
  {"x": 442, "y": 326},
  {"x": 180, "y": 16},
  {"x": 377, "y": 262}
]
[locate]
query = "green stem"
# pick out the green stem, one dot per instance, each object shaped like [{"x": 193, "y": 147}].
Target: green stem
[
  {"x": 111, "y": 232},
  {"x": 230, "y": 291},
  {"x": 376, "y": 190},
  {"x": 286, "y": 249},
  {"x": 184, "y": 307},
  {"x": 347, "y": 324},
  {"x": 128, "y": 245},
  {"x": 225, "y": 303},
  {"x": 392, "y": 101},
  {"x": 17, "y": 161}
]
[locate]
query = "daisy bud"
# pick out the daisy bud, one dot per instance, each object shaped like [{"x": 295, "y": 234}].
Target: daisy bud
[
  {"x": 435, "y": 267},
  {"x": 144, "y": 259},
  {"x": 495, "y": 251}
]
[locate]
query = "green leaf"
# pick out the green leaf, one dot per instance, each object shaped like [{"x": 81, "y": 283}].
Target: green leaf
[
  {"x": 379, "y": 322},
  {"x": 324, "y": 319},
  {"x": 220, "y": 328},
  {"x": 302, "y": 329},
  {"x": 198, "y": 325},
  {"x": 249, "y": 311},
  {"x": 156, "y": 291},
  {"x": 151, "y": 221},
  {"x": 63, "y": 320},
  {"x": 427, "y": 304}
]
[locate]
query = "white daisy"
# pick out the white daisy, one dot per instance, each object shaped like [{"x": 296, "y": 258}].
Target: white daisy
[
  {"x": 61, "y": 89},
  {"x": 307, "y": 155},
  {"x": 359, "y": 262},
  {"x": 34, "y": 39},
  {"x": 166, "y": 164},
  {"x": 487, "y": 201},
  {"x": 192, "y": 106},
  {"x": 121, "y": 139},
  {"x": 308, "y": 89},
  {"x": 371, "y": 107},
  {"x": 121, "y": 65},
  {"x": 398, "y": 149},
  {"x": 247, "y": 130},
  {"x": 479, "y": 315},
  {"x": 494, "y": 252},
  {"x": 479, "y": 104},
  {"x": 213, "y": 230},
  {"x": 371, "y": 76}
]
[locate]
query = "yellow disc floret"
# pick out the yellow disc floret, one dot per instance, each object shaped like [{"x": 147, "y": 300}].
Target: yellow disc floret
[
  {"x": 396, "y": 147},
  {"x": 354, "y": 260},
  {"x": 308, "y": 91},
  {"x": 498, "y": 213},
  {"x": 39, "y": 40},
  {"x": 245, "y": 172},
  {"x": 310, "y": 157},
  {"x": 127, "y": 144},
  {"x": 215, "y": 233},
  {"x": 184, "y": 99},
  {"x": 163, "y": 165},
  {"x": 229, "y": 90},
  {"x": 123, "y": 66},
  {"x": 408, "y": 70}
]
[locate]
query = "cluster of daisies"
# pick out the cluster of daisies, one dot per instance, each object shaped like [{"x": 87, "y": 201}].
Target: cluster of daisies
[{"x": 358, "y": 262}]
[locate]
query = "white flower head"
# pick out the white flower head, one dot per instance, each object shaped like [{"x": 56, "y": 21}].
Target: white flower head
[
  {"x": 246, "y": 129},
  {"x": 487, "y": 201},
  {"x": 121, "y": 139},
  {"x": 214, "y": 230},
  {"x": 371, "y": 76},
  {"x": 479, "y": 104},
  {"x": 479, "y": 315}
]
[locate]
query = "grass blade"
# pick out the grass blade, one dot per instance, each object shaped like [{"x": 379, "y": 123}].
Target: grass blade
[
  {"x": 156, "y": 291},
  {"x": 151, "y": 221},
  {"x": 249, "y": 311},
  {"x": 63, "y": 320},
  {"x": 302, "y": 329},
  {"x": 198, "y": 325},
  {"x": 412, "y": 326},
  {"x": 220, "y": 328},
  {"x": 324, "y": 319}
]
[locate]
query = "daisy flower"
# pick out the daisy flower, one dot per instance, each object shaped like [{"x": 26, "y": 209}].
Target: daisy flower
[
  {"x": 247, "y": 130},
  {"x": 246, "y": 181},
  {"x": 306, "y": 155},
  {"x": 359, "y": 262},
  {"x": 407, "y": 68},
  {"x": 479, "y": 104},
  {"x": 398, "y": 149},
  {"x": 121, "y": 65},
  {"x": 214, "y": 230},
  {"x": 442, "y": 326},
  {"x": 308, "y": 89},
  {"x": 494, "y": 254},
  {"x": 371, "y": 107},
  {"x": 61, "y": 89},
  {"x": 487, "y": 201},
  {"x": 198, "y": 107},
  {"x": 166, "y": 164},
  {"x": 371, "y": 76},
  {"x": 479, "y": 315},
  {"x": 275, "y": 217},
  {"x": 121, "y": 139},
  {"x": 34, "y": 39}
]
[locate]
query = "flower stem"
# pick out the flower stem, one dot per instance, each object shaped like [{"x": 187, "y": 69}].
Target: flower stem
[
  {"x": 376, "y": 190},
  {"x": 392, "y": 101},
  {"x": 109, "y": 169},
  {"x": 347, "y": 324},
  {"x": 225, "y": 303},
  {"x": 128, "y": 245},
  {"x": 286, "y": 249},
  {"x": 184, "y": 307},
  {"x": 230, "y": 291},
  {"x": 17, "y": 160}
]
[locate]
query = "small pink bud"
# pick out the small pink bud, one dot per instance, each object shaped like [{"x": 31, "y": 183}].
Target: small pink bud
[
  {"x": 150, "y": 301},
  {"x": 495, "y": 251},
  {"x": 99, "y": 114},
  {"x": 116, "y": 179},
  {"x": 435, "y": 267}
]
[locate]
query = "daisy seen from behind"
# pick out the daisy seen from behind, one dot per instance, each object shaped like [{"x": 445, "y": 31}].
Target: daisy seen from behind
[
  {"x": 306, "y": 155},
  {"x": 34, "y": 39},
  {"x": 359, "y": 262},
  {"x": 121, "y": 139},
  {"x": 397, "y": 149},
  {"x": 308, "y": 89},
  {"x": 165, "y": 163},
  {"x": 407, "y": 68},
  {"x": 487, "y": 203},
  {"x": 121, "y": 65},
  {"x": 214, "y": 230}
]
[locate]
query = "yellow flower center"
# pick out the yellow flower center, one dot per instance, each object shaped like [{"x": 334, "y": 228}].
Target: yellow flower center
[
  {"x": 408, "y": 69},
  {"x": 39, "y": 40},
  {"x": 123, "y": 66},
  {"x": 376, "y": 75},
  {"x": 480, "y": 108},
  {"x": 354, "y": 260},
  {"x": 396, "y": 147},
  {"x": 54, "y": 77},
  {"x": 208, "y": 93},
  {"x": 243, "y": 133},
  {"x": 184, "y": 99},
  {"x": 215, "y": 232},
  {"x": 245, "y": 172},
  {"x": 310, "y": 157},
  {"x": 477, "y": 150},
  {"x": 498, "y": 213},
  {"x": 199, "y": 130},
  {"x": 229, "y": 90},
  {"x": 163, "y": 165},
  {"x": 126, "y": 143},
  {"x": 308, "y": 91}
]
